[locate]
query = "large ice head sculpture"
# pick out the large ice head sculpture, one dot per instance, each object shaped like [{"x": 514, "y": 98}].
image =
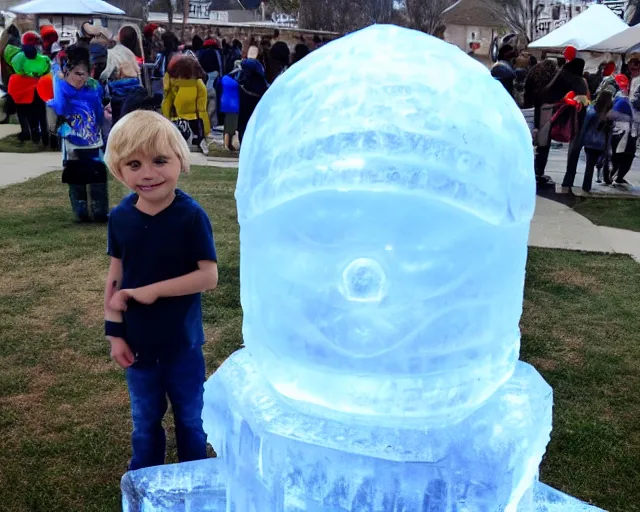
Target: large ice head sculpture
[{"x": 384, "y": 228}]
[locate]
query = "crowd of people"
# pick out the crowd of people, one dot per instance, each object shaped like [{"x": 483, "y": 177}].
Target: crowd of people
[
  {"x": 598, "y": 112},
  {"x": 71, "y": 97}
]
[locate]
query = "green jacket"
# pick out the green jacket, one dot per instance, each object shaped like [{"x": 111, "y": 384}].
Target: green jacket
[
  {"x": 9, "y": 53},
  {"x": 37, "y": 67}
]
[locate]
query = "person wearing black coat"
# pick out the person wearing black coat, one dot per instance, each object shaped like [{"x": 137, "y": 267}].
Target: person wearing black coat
[
  {"x": 569, "y": 78},
  {"x": 253, "y": 85},
  {"x": 210, "y": 57}
]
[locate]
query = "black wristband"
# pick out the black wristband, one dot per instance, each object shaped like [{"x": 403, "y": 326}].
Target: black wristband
[{"x": 114, "y": 329}]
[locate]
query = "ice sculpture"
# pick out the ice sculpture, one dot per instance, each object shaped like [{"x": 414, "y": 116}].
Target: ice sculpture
[{"x": 384, "y": 196}]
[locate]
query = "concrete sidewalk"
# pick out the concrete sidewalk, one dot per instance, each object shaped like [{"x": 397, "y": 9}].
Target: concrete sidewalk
[
  {"x": 557, "y": 165},
  {"x": 557, "y": 226},
  {"x": 18, "y": 167}
]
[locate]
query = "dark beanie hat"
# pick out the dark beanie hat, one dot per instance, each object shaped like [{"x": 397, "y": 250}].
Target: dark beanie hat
[
  {"x": 30, "y": 52},
  {"x": 97, "y": 52}
]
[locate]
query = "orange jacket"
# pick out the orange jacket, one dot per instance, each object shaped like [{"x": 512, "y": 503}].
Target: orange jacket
[
  {"x": 22, "y": 88},
  {"x": 45, "y": 87}
]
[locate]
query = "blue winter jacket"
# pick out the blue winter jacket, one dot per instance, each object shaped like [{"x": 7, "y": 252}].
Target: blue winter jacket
[
  {"x": 120, "y": 91},
  {"x": 593, "y": 134},
  {"x": 82, "y": 110},
  {"x": 230, "y": 101}
]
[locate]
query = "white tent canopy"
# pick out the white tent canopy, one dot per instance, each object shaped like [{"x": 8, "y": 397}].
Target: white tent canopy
[
  {"x": 595, "y": 24},
  {"x": 623, "y": 42},
  {"x": 66, "y": 7}
]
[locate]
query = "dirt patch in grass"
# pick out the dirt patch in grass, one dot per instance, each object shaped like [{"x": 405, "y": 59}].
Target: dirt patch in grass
[
  {"x": 574, "y": 277},
  {"x": 29, "y": 405}
]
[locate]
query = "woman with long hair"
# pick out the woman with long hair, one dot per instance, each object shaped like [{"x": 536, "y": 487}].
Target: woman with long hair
[
  {"x": 130, "y": 37},
  {"x": 279, "y": 60},
  {"x": 567, "y": 79},
  {"x": 122, "y": 78},
  {"x": 572, "y": 75},
  {"x": 185, "y": 100}
]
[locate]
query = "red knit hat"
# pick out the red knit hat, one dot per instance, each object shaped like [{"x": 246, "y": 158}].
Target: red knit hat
[
  {"x": 48, "y": 33},
  {"x": 570, "y": 53},
  {"x": 31, "y": 39},
  {"x": 622, "y": 81},
  {"x": 210, "y": 43},
  {"x": 609, "y": 69},
  {"x": 149, "y": 29}
]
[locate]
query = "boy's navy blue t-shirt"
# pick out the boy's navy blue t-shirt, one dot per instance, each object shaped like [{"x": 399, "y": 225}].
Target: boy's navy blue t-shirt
[{"x": 156, "y": 248}]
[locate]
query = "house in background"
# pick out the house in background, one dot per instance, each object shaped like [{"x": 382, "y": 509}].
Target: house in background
[{"x": 472, "y": 27}]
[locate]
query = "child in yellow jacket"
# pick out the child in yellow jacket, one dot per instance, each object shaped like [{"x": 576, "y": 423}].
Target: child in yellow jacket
[{"x": 185, "y": 100}]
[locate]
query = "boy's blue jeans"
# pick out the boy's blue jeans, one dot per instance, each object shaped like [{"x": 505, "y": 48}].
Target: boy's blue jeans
[{"x": 182, "y": 381}]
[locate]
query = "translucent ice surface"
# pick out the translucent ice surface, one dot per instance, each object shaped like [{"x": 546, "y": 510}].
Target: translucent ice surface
[
  {"x": 384, "y": 195},
  {"x": 384, "y": 199},
  {"x": 184, "y": 487},
  {"x": 189, "y": 487},
  {"x": 547, "y": 499},
  {"x": 287, "y": 460}
]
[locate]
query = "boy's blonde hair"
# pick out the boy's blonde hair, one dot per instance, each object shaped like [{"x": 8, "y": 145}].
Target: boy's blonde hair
[{"x": 146, "y": 132}]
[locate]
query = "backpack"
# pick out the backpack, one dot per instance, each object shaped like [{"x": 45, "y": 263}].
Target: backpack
[{"x": 564, "y": 124}]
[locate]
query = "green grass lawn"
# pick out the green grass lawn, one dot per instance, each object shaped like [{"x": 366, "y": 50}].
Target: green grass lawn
[
  {"x": 11, "y": 144},
  {"x": 580, "y": 330},
  {"x": 64, "y": 411},
  {"x": 615, "y": 213}
]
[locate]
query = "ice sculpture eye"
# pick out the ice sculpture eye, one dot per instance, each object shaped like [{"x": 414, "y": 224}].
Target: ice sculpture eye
[{"x": 363, "y": 281}]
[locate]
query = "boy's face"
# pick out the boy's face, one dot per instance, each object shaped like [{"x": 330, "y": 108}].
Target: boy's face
[{"x": 153, "y": 177}]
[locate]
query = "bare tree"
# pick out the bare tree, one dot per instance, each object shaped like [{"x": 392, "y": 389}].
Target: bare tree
[
  {"x": 133, "y": 8},
  {"x": 344, "y": 15},
  {"x": 185, "y": 15},
  {"x": 166, "y": 6},
  {"x": 521, "y": 16},
  {"x": 427, "y": 15},
  {"x": 288, "y": 6},
  {"x": 380, "y": 11},
  {"x": 332, "y": 15}
]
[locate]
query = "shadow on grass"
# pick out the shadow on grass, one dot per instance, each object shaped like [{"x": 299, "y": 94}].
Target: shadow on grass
[{"x": 12, "y": 144}]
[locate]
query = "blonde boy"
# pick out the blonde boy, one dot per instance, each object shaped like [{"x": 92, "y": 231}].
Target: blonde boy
[{"x": 162, "y": 258}]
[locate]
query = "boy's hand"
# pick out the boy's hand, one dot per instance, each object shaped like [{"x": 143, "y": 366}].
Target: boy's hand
[
  {"x": 121, "y": 353},
  {"x": 144, "y": 295}
]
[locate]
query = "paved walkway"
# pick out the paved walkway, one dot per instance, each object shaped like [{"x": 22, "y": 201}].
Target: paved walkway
[
  {"x": 557, "y": 164},
  {"x": 557, "y": 226},
  {"x": 17, "y": 167}
]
